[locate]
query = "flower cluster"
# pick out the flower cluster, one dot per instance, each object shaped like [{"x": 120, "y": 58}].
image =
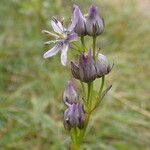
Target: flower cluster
[
  {"x": 91, "y": 65},
  {"x": 91, "y": 25}
]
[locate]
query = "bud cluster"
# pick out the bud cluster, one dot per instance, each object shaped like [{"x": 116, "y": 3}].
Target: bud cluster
[
  {"x": 92, "y": 24},
  {"x": 74, "y": 114},
  {"x": 88, "y": 70}
]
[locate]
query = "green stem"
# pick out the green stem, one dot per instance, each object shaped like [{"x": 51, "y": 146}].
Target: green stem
[
  {"x": 82, "y": 132},
  {"x": 94, "y": 45},
  {"x": 102, "y": 85},
  {"x": 89, "y": 99},
  {"x": 75, "y": 146},
  {"x": 100, "y": 93},
  {"x": 88, "y": 110},
  {"x": 75, "y": 141},
  {"x": 89, "y": 91},
  {"x": 83, "y": 91},
  {"x": 83, "y": 43}
]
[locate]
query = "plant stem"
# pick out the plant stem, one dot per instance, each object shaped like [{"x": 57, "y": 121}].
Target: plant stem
[
  {"x": 88, "y": 105},
  {"x": 74, "y": 137},
  {"x": 83, "y": 43},
  {"x": 100, "y": 93},
  {"x": 75, "y": 146},
  {"x": 102, "y": 85},
  {"x": 88, "y": 109},
  {"x": 94, "y": 45},
  {"x": 89, "y": 99},
  {"x": 83, "y": 91}
]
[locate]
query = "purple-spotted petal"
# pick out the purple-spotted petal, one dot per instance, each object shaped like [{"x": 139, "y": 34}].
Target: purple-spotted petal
[
  {"x": 57, "y": 26},
  {"x": 53, "y": 51},
  {"x": 64, "y": 54}
]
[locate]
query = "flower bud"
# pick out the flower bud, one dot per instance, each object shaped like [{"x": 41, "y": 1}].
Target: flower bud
[
  {"x": 102, "y": 66},
  {"x": 94, "y": 23},
  {"x": 74, "y": 116},
  {"x": 86, "y": 71},
  {"x": 70, "y": 95},
  {"x": 78, "y": 22}
]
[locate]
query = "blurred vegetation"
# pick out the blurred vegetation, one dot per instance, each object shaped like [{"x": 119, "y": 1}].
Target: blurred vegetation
[{"x": 31, "y": 109}]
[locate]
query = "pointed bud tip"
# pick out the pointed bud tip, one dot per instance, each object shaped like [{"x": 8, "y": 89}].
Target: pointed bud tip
[
  {"x": 75, "y": 6},
  {"x": 70, "y": 94},
  {"x": 93, "y": 10}
]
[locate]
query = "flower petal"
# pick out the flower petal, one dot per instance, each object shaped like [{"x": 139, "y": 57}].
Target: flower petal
[
  {"x": 101, "y": 57},
  {"x": 57, "y": 26},
  {"x": 75, "y": 70},
  {"x": 52, "y": 41},
  {"x": 72, "y": 37},
  {"x": 53, "y": 51},
  {"x": 64, "y": 54},
  {"x": 76, "y": 17}
]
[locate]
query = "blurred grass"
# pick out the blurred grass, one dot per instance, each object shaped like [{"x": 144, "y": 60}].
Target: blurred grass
[{"x": 31, "y": 109}]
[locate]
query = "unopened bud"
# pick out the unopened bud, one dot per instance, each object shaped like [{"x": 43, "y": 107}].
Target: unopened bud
[
  {"x": 102, "y": 65},
  {"x": 70, "y": 95},
  {"x": 74, "y": 116},
  {"x": 78, "y": 21},
  {"x": 94, "y": 23},
  {"x": 85, "y": 71}
]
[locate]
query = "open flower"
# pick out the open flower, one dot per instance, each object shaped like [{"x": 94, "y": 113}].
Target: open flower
[{"x": 62, "y": 39}]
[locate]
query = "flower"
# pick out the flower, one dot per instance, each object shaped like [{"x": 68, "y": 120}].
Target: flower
[
  {"x": 70, "y": 94},
  {"x": 94, "y": 23},
  {"x": 85, "y": 71},
  {"x": 102, "y": 66},
  {"x": 78, "y": 21},
  {"x": 74, "y": 116},
  {"x": 62, "y": 37}
]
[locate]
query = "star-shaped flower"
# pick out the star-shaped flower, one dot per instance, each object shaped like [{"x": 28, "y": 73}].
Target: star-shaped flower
[{"x": 62, "y": 39}]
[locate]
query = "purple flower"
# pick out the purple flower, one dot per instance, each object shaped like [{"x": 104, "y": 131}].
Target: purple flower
[
  {"x": 85, "y": 71},
  {"x": 62, "y": 37},
  {"x": 74, "y": 116},
  {"x": 94, "y": 23},
  {"x": 78, "y": 22},
  {"x": 70, "y": 94},
  {"x": 102, "y": 66}
]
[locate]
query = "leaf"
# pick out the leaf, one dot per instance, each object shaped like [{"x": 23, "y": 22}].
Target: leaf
[{"x": 105, "y": 92}]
